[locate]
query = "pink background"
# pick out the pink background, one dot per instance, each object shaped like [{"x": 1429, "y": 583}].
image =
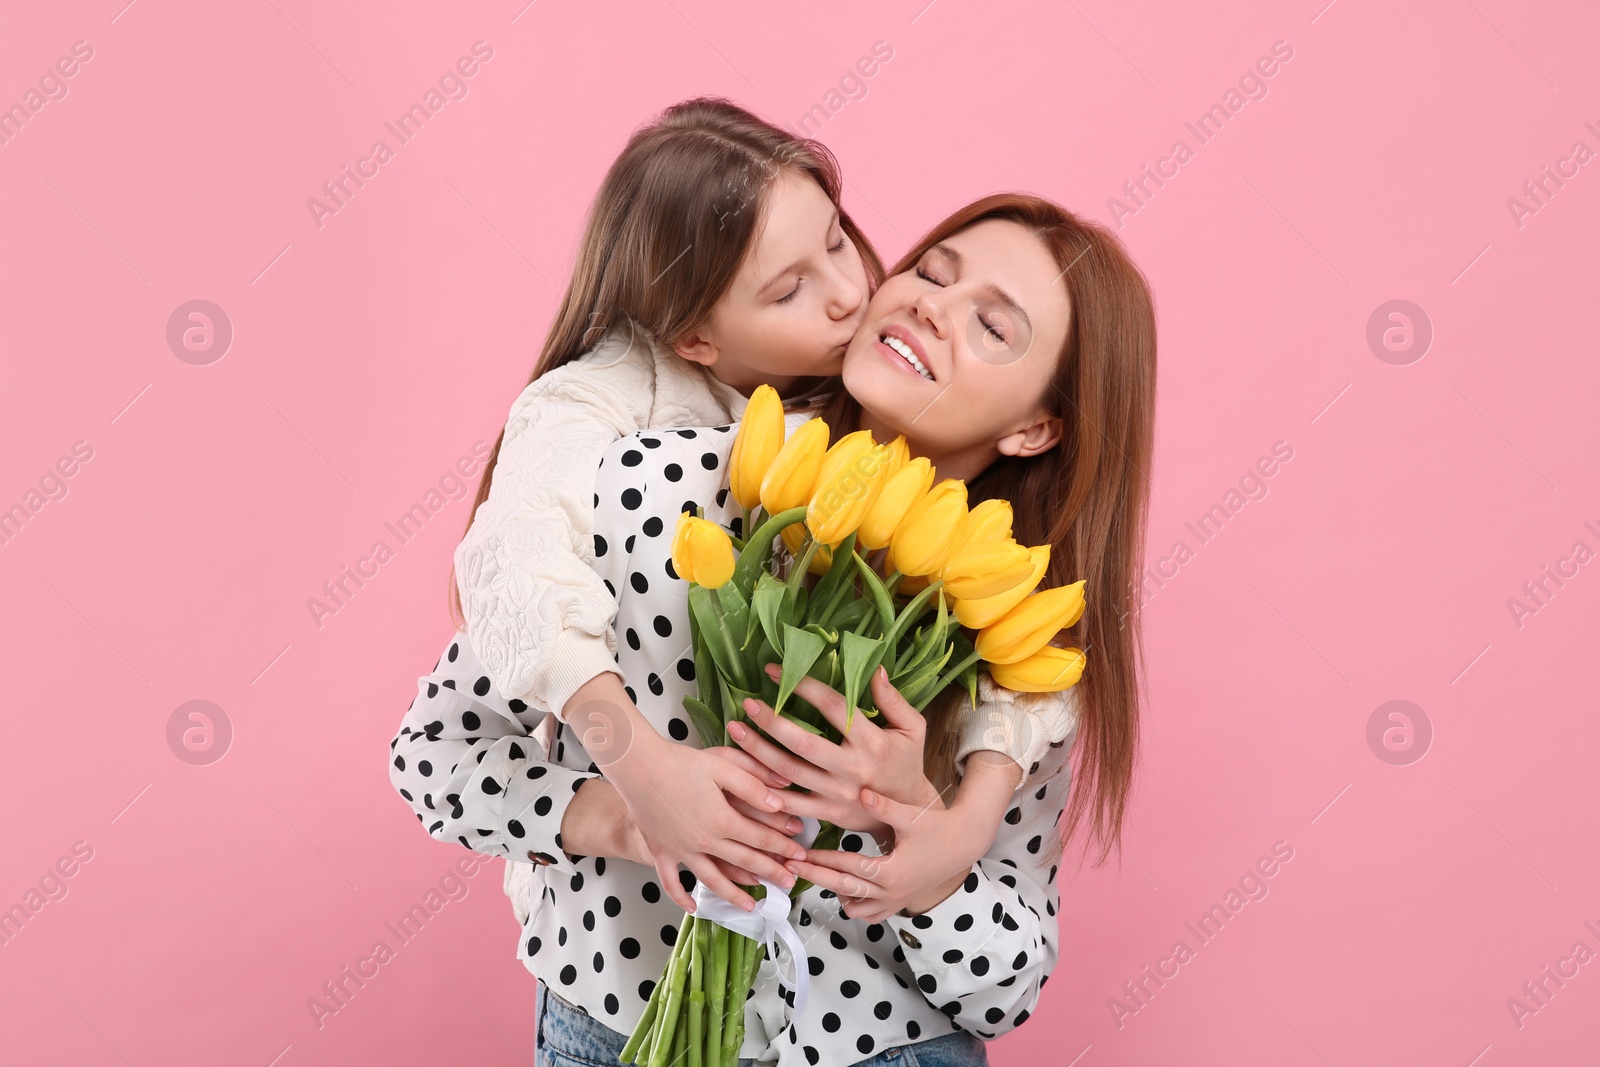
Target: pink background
[{"x": 372, "y": 352}]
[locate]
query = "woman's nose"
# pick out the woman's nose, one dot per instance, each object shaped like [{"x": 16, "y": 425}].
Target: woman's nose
[{"x": 929, "y": 307}]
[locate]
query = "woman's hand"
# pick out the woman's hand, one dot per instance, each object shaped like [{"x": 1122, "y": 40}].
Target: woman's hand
[
  {"x": 932, "y": 856},
  {"x": 887, "y": 758}
]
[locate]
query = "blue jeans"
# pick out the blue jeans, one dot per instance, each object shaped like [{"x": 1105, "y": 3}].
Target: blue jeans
[{"x": 569, "y": 1038}]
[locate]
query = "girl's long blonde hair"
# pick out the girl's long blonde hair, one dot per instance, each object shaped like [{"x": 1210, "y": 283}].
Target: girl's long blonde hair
[
  {"x": 1087, "y": 498},
  {"x": 668, "y": 229}
]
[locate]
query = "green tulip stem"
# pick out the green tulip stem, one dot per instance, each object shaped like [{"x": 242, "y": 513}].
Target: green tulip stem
[
  {"x": 672, "y": 1008},
  {"x": 759, "y": 541},
  {"x": 892, "y": 581},
  {"x": 953, "y": 673},
  {"x": 797, "y": 573},
  {"x": 845, "y": 592},
  {"x": 717, "y": 986},
  {"x": 911, "y": 611}
]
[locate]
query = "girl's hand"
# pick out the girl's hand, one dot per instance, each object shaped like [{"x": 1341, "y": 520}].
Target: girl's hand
[
  {"x": 886, "y": 758},
  {"x": 931, "y": 858},
  {"x": 691, "y": 807},
  {"x": 781, "y": 821},
  {"x": 636, "y": 849}
]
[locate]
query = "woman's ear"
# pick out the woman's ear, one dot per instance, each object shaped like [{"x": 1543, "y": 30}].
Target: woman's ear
[
  {"x": 1042, "y": 436},
  {"x": 698, "y": 348}
]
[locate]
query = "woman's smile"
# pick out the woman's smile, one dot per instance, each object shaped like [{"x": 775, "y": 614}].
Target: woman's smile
[{"x": 902, "y": 348}]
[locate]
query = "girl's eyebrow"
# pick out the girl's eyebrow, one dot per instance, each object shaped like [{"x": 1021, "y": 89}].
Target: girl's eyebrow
[
  {"x": 770, "y": 282},
  {"x": 992, "y": 289}
]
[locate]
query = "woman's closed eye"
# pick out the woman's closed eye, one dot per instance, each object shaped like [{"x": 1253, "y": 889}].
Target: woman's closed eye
[{"x": 992, "y": 328}]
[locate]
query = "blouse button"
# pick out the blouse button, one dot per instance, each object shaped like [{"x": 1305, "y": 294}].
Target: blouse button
[
  {"x": 540, "y": 859},
  {"x": 910, "y": 939}
]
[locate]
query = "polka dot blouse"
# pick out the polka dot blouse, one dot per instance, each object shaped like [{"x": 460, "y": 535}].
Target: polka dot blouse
[{"x": 600, "y": 930}]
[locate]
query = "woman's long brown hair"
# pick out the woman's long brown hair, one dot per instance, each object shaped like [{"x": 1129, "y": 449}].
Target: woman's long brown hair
[
  {"x": 1087, "y": 498},
  {"x": 668, "y": 230}
]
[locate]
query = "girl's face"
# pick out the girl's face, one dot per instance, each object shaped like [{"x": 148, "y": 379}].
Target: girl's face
[
  {"x": 798, "y": 297},
  {"x": 984, "y": 313}
]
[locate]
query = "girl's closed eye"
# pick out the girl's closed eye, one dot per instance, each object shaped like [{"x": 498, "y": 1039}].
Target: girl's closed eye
[{"x": 792, "y": 293}]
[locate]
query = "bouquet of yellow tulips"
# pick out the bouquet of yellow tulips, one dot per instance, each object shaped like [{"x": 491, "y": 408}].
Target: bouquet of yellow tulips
[{"x": 843, "y": 511}]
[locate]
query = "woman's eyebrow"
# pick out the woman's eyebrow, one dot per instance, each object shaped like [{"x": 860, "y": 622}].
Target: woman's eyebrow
[{"x": 1011, "y": 302}]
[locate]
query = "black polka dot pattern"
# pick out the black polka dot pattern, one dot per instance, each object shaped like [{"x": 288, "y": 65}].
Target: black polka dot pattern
[{"x": 600, "y": 930}]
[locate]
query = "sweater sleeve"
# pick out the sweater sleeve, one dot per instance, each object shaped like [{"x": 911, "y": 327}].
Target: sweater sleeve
[
  {"x": 983, "y": 954},
  {"x": 1024, "y": 726},
  {"x": 468, "y": 762},
  {"x": 537, "y": 614}
]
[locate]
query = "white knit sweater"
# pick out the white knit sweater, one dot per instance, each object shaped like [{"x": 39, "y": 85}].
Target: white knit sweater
[{"x": 537, "y": 614}]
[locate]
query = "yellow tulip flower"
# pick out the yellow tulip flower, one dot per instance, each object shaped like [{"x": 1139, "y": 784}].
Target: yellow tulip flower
[
  {"x": 757, "y": 442},
  {"x": 1029, "y": 626},
  {"x": 931, "y": 525},
  {"x": 793, "y": 472},
  {"x": 989, "y": 520},
  {"x": 976, "y": 614},
  {"x": 843, "y": 499},
  {"x": 848, "y": 451},
  {"x": 902, "y": 488},
  {"x": 1048, "y": 670},
  {"x": 985, "y": 568},
  {"x": 701, "y": 551},
  {"x": 899, "y": 453}
]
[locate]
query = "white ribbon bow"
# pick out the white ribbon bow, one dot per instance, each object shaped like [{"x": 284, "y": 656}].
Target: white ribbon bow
[{"x": 769, "y": 922}]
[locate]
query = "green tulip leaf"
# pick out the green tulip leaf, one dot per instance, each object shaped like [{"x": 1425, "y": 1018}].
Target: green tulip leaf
[
  {"x": 768, "y": 601},
  {"x": 706, "y": 721},
  {"x": 735, "y": 611},
  {"x": 835, "y": 584},
  {"x": 801, "y": 648},
  {"x": 795, "y": 606},
  {"x": 910, "y": 613},
  {"x": 860, "y": 658},
  {"x": 880, "y": 595},
  {"x": 829, "y": 635},
  {"x": 706, "y": 608},
  {"x": 758, "y": 546},
  {"x": 924, "y": 682},
  {"x": 852, "y": 614},
  {"x": 829, "y": 673}
]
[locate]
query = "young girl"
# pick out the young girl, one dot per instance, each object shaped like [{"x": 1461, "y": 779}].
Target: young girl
[
  {"x": 715, "y": 257},
  {"x": 970, "y": 954}
]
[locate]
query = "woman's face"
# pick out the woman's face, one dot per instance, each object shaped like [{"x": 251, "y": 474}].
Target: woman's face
[
  {"x": 796, "y": 301},
  {"x": 985, "y": 314}
]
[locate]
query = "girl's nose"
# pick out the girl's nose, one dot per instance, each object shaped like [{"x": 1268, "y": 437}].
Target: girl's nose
[{"x": 847, "y": 293}]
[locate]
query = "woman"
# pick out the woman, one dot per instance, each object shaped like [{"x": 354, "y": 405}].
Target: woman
[{"x": 1013, "y": 347}]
